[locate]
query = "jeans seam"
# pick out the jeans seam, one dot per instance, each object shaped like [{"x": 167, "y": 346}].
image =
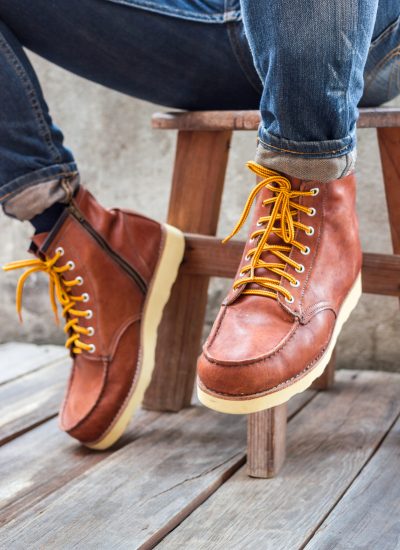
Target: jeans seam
[
  {"x": 351, "y": 73},
  {"x": 345, "y": 167},
  {"x": 44, "y": 130},
  {"x": 384, "y": 61},
  {"x": 267, "y": 145},
  {"x": 389, "y": 30},
  {"x": 217, "y": 17},
  {"x": 240, "y": 58}
]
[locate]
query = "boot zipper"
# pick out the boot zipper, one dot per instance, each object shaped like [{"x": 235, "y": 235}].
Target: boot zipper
[{"x": 77, "y": 214}]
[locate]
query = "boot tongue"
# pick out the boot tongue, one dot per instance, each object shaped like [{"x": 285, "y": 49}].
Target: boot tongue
[{"x": 273, "y": 238}]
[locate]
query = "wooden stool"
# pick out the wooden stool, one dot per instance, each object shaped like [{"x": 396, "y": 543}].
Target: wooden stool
[{"x": 197, "y": 185}]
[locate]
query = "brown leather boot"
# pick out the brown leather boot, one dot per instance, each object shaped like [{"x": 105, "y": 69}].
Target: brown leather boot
[
  {"x": 298, "y": 281},
  {"x": 112, "y": 272}
]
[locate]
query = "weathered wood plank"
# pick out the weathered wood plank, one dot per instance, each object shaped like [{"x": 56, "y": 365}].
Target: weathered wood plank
[
  {"x": 329, "y": 442},
  {"x": 31, "y": 399},
  {"x": 45, "y": 459},
  {"x": 163, "y": 469},
  {"x": 205, "y": 255},
  {"x": 17, "y": 359},
  {"x": 327, "y": 378},
  {"x": 266, "y": 442},
  {"x": 368, "y": 514},
  {"x": 249, "y": 120},
  {"x": 142, "y": 490}
]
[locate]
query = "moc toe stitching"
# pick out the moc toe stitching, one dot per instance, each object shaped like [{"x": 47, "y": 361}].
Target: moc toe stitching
[
  {"x": 272, "y": 388},
  {"x": 254, "y": 360},
  {"x": 266, "y": 364}
]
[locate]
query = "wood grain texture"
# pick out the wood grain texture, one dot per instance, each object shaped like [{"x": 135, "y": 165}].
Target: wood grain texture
[
  {"x": 184, "y": 458},
  {"x": 205, "y": 254},
  {"x": 45, "y": 459},
  {"x": 389, "y": 146},
  {"x": 140, "y": 492},
  {"x": 329, "y": 442},
  {"x": 266, "y": 442},
  {"x": 31, "y": 399},
  {"x": 249, "y": 120},
  {"x": 368, "y": 514},
  {"x": 17, "y": 359},
  {"x": 199, "y": 174}
]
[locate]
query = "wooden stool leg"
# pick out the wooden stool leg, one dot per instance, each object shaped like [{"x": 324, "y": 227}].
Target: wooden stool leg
[
  {"x": 266, "y": 442},
  {"x": 327, "y": 379},
  {"x": 389, "y": 146},
  {"x": 197, "y": 185}
]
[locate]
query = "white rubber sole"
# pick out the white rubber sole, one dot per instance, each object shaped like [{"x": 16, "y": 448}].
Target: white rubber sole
[
  {"x": 157, "y": 297},
  {"x": 246, "y": 406}
]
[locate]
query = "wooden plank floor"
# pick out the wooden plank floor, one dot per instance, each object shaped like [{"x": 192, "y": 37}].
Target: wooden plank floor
[{"x": 178, "y": 480}]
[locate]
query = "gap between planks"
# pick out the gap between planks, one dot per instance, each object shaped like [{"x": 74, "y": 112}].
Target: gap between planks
[
  {"x": 31, "y": 399},
  {"x": 176, "y": 461},
  {"x": 18, "y": 359},
  {"x": 329, "y": 443},
  {"x": 367, "y": 514}
]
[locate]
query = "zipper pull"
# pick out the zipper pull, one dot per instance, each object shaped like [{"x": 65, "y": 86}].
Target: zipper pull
[{"x": 75, "y": 212}]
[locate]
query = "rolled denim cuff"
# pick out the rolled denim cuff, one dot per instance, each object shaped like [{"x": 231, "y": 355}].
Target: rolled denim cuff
[
  {"x": 312, "y": 160},
  {"x": 36, "y": 192}
]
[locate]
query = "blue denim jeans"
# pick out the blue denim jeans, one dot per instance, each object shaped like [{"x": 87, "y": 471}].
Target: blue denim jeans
[
  {"x": 312, "y": 61},
  {"x": 307, "y": 78}
]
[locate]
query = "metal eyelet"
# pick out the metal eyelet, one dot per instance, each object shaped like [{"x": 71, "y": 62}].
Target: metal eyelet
[
  {"x": 60, "y": 251},
  {"x": 89, "y": 314},
  {"x": 71, "y": 265},
  {"x": 79, "y": 281},
  {"x": 90, "y": 331},
  {"x": 306, "y": 251},
  {"x": 310, "y": 231},
  {"x": 301, "y": 269},
  {"x": 314, "y": 191},
  {"x": 247, "y": 258},
  {"x": 312, "y": 212},
  {"x": 296, "y": 284},
  {"x": 92, "y": 348},
  {"x": 259, "y": 224},
  {"x": 85, "y": 297},
  {"x": 289, "y": 300}
]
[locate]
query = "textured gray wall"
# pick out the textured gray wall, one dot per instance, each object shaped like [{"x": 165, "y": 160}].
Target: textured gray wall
[{"x": 126, "y": 163}]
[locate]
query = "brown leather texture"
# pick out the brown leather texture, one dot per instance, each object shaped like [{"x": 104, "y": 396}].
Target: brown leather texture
[
  {"x": 101, "y": 381},
  {"x": 258, "y": 343}
]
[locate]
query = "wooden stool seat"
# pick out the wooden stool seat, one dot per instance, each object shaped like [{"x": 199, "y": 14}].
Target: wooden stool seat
[{"x": 201, "y": 158}]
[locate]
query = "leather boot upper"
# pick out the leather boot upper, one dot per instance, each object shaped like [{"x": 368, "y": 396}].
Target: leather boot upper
[
  {"x": 279, "y": 316},
  {"x": 100, "y": 263}
]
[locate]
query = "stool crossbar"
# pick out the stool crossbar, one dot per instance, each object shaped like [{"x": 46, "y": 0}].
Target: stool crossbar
[{"x": 203, "y": 143}]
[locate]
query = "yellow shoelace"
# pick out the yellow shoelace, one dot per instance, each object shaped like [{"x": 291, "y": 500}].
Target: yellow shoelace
[
  {"x": 59, "y": 289},
  {"x": 283, "y": 213}
]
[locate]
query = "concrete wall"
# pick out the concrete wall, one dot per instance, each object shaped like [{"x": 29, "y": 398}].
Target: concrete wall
[{"x": 126, "y": 163}]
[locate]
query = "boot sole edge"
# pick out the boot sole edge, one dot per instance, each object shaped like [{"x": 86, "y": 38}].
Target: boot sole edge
[
  {"x": 159, "y": 293},
  {"x": 228, "y": 405}
]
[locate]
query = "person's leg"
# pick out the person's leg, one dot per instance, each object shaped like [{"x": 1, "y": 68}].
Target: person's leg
[
  {"x": 382, "y": 70},
  {"x": 110, "y": 270},
  {"x": 299, "y": 277},
  {"x": 310, "y": 57},
  {"x": 32, "y": 153},
  {"x": 161, "y": 59}
]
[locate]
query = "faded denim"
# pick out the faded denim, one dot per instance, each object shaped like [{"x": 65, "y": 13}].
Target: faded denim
[{"x": 307, "y": 73}]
